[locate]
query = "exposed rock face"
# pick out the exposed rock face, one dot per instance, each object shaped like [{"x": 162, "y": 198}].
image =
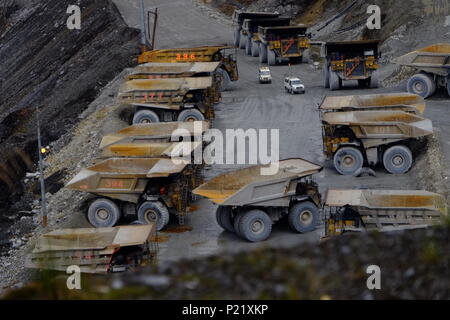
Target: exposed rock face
[{"x": 43, "y": 63}]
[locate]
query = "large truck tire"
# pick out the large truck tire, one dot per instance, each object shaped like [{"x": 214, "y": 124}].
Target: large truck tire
[
  {"x": 421, "y": 84},
  {"x": 303, "y": 216},
  {"x": 154, "y": 212},
  {"x": 262, "y": 53},
  {"x": 255, "y": 49},
  {"x": 271, "y": 57},
  {"x": 224, "y": 79},
  {"x": 248, "y": 46},
  {"x": 305, "y": 56},
  {"x": 398, "y": 159},
  {"x": 242, "y": 40},
  {"x": 190, "y": 115},
  {"x": 334, "y": 80},
  {"x": 448, "y": 86},
  {"x": 145, "y": 116},
  {"x": 236, "y": 221},
  {"x": 374, "y": 81},
  {"x": 326, "y": 77},
  {"x": 224, "y": 219},
  {"x": 103, "y": 213},
  {"x": 348, "y": 160},
  {"x": 237, "y": 37},
  {"x": 255, "y": 225}
]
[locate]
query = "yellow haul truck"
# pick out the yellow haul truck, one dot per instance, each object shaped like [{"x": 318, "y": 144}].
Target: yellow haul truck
[
  {"x": 283, "y": 43},
  {"x": 354, "y": 139},
  {"x": 381, "y": 210},
  {"x": 350, "y": 60},
  {"x": 250, "y": 35},
  {"x": 238, "y": 19},
  {"x": 433, "y": 62},
  {"x": 165, "y": 100},
  {"x": 149, "y": 188},
  {"x": 228, "y": 70},
  {"x": 166, "y": 70},
  {"x": 99, "y": 250}
]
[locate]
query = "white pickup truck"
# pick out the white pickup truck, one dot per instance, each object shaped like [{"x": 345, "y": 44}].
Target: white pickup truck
[
  {"x": 264, "y": 75},
  {"x": 293, "y": 85}
]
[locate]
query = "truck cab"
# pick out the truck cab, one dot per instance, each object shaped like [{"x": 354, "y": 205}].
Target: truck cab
[
  {"x": 265, "y": 75},
  {"x": 293, "y": 85}
]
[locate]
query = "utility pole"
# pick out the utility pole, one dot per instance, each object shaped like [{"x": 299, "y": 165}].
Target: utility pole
[{"x": 41, "y": 172}]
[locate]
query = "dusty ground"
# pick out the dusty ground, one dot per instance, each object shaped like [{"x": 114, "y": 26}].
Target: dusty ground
[{"x": 246, "y": 105}]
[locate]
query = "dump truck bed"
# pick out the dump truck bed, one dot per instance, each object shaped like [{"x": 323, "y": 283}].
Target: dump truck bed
[
  {"x": 434, "y": 58},
  {"x": 388, "y": 210},
  {"x": 92, "y": 249},
  {"x": 252, "y": 25},
  {"x": 154, "y": 70},
  {"x": 153, "y": 131},
  {"x": 239, "y": 16},
  {"x": 249, "y": 187},
  {"x": 392, "y": 101},
  {"x": 123, "y": 175},
  {"x": 150, "y": 149},
  {"x": 176, "y": 55},
  {"x": 381, "y": 124},
  {"x": 173, "y": 84},
  {"x": 283, "y": 31}
]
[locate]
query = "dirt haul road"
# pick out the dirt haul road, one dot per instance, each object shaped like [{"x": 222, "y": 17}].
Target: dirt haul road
[{"x": 248, "y": 104}]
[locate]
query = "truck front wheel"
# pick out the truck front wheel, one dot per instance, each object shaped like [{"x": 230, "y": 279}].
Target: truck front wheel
[
  {"x": 255, "y": 49},
  {"x": 303, "y": 217},
  {"x": 397, "y": 159},
  {"x": 326, "y": 77},
  {"x": 145, "y": 116},
  {"x": 237, "y": 37},
  {"x": 348, "y": 160},
  {"x": 224, "y": 79},
  {"x": 103, "y": 213},
  {"x": 421, "y": 84},
  {"x": 335, "y": 81},
  {"x": 271, "y": 57},
  {"x": 190, "y": 115},
  {"x": 154, "y": 212},
  {"x": 262, "y": 53},
  {"x": 255, "y": 225}
]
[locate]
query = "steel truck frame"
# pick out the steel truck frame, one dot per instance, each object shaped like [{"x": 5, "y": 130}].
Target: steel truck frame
[
  {"x": 149, "y": 188},
  {"x": 354, "y": 139},
  {"x": 250, "y": 202},
  {"x": 238, "y": 19},
  {"x": 381, "y": 210},
  {"x": 101, "y": 250},
  {"x": 350, "y": 60},
  {"x": 281, "y": 43},
  {"x": 228, "y": 70},
  {"x": 165, "y": 100},
  {"x": 433, "y": 64},
  {"x": 250, "y": 36}
]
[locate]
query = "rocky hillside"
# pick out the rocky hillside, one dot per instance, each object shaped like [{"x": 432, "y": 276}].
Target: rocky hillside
[{"x": 44, "y": 64}]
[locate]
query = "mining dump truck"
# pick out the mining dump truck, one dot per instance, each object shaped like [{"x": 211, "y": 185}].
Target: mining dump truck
[
  {"x": 433, "y": 62},
  {"x": 156, "y": 132},
  {"x": 372, "y": 102},
  {"x": 227, "y": 72},
  {"x": 163, "y": 70},
  {"x": 102, "y": 250},
  {"x": 250, "y": 35},
  {"x": 381, "y": 210},
  {"x": 146, "y": 188},
  {"x": 350, "y": 60},
  {"x": 354, "y": 139},
  {"x": 165, "y": 100},
  {"x": 238, "y": 19},
  {"x": 249, "y": 202},
  {"x": 283, "y": 43}
]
